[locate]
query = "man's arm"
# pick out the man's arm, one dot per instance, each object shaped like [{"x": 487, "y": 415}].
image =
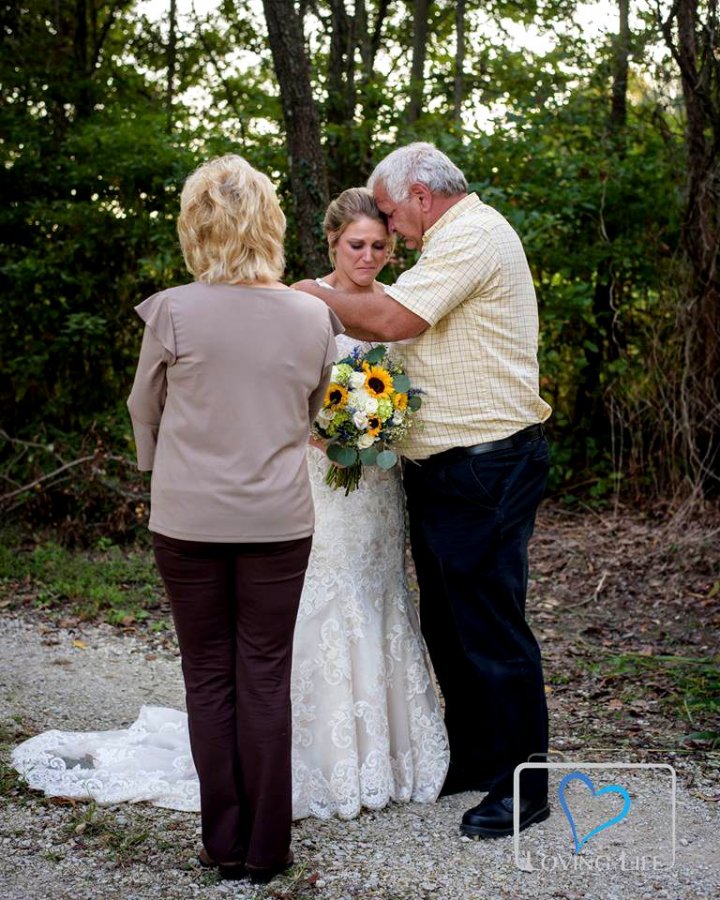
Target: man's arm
[{"x": 368, "y": 317}]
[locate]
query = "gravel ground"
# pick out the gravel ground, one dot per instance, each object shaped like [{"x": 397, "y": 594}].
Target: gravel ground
[{"x": 97, "y": 678}]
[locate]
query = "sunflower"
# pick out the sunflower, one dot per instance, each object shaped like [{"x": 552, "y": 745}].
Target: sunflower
[
  {"x": 378, "y": 381},
  {"x": 374, "y": 425},
  {"x": 401, "y": 401},
  {"x": 336, "y": 396}
]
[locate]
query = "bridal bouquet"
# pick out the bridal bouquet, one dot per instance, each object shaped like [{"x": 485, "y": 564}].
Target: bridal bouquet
[{"x": 369, "y": 406}]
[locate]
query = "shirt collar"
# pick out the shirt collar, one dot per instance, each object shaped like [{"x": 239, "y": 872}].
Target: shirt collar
[{"x": 472, "y": 201}]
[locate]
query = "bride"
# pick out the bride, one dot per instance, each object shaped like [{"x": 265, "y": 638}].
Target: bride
[{"x": 367, "y": 727}]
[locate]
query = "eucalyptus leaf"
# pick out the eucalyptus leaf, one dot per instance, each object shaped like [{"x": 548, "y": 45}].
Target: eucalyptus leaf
[
  {"x": 376, "y": 354},
  {"x": 386, "y": 459},
  {"x": 347, "y": 456},
  {"x": 401, "y": 383},
  {"x": 414, "y": 402},
  {"x": 333, "y": 452},
  {"x": 368, "y": 457}
]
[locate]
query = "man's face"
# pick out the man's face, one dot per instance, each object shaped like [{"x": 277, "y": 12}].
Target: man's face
[{"x": 404, "y": 218}]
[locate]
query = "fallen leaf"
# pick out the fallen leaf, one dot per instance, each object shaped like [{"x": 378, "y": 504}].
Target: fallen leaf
[{"x": 80, "y": 645}]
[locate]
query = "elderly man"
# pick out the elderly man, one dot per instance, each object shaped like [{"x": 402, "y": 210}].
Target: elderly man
[{"x": 475, "y": 471}]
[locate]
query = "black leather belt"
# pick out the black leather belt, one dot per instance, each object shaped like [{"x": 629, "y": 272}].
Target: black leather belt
[{"x": 531, "y": 433}]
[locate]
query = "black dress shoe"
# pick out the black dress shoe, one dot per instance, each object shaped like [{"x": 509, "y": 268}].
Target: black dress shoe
[{"x": 494, "y": 816}]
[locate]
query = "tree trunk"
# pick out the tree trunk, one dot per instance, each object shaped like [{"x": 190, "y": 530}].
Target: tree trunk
[
  {"x": 618, "y": 113},
  {"x": 591, "y": 414},
  {"x": 417, "y": 73},
  {"x": 83, "y": 101},
  {"x": 171, "y": 64},
  {"x": 459, "y": 86},
  {"x": 695, "y": 52},
  {"x": 341, "y": 94},
  {"x": 308, "y": 176}
]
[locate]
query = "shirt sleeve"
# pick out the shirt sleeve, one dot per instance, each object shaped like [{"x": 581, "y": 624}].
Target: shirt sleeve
[
  {"x": 157, "y": 316},
  {"x": 147, "y": 397},
  {"x": 457, "y": 265},
  {"x": 335, "y": 326},
  {"x": 318, "y": 395}
]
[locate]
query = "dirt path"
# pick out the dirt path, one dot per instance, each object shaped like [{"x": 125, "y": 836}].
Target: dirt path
[{"x": 621, "y": 606}]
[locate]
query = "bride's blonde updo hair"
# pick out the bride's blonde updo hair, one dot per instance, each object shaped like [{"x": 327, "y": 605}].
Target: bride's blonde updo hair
[
  {"x": 231, "y": 226},
  {"x": 353, "y": 204}
]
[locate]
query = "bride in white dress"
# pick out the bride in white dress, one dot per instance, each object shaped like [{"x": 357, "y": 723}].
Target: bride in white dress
[{"x": 367, "y": 726}]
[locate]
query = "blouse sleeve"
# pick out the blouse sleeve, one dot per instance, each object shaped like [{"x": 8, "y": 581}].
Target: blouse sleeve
[
  {"x": 157, "y": 316},
  {"x": 335, "y": 327},
  {"x": 147, "y": 398}
]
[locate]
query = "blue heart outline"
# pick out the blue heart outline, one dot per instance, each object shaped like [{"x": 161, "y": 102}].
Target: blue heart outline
[{"x": 610, "y": 789}]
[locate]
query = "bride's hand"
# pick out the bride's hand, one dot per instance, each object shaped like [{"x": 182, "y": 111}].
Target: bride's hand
[{"x": 319, "y": 443}]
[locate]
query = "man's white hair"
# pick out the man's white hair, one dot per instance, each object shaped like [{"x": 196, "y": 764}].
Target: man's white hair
[{"x": 418, "y": 162}]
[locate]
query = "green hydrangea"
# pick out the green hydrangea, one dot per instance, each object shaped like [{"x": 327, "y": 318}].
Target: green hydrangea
[
  {"x": 385, "y": 409},
  {"x": 342, "y": 373},
  {"x": 338, "y": 419}
]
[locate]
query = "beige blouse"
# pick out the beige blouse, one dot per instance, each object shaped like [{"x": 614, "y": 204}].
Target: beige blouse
[{"x": 229, "y": 380}]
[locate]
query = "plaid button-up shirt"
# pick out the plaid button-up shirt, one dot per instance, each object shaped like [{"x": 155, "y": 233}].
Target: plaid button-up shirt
[{"x": 477, "y": 363}]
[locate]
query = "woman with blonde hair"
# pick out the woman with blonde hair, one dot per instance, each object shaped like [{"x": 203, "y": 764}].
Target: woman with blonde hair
[
  {"x": 244, "y": 364},
  {"x": 232, "y": 371}
]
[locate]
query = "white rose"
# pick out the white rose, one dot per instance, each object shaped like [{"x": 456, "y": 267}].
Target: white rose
[
  {"x": 325, "y": 416},
  {"x": 398, "y": 416},
  {"x": 360, "y": 420},
  {"x": 371, "y": 406},
  {"x": 365, "y": 441},
  {"x": 357, "y": 380}
]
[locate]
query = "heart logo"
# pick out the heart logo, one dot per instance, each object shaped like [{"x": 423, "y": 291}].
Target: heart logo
[{"x": 610, "y": 789}]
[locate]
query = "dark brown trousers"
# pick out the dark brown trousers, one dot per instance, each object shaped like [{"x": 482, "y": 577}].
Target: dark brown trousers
[{"x": 234, "y": 607}]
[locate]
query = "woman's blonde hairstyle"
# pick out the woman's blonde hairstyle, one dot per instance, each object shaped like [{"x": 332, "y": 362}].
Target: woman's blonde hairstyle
[
  {"x": 351, "y": 205},
  {"x": 231, "y": 226}
]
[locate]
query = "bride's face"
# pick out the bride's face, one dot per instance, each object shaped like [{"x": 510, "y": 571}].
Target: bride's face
[{"x": 361, "y": 251}]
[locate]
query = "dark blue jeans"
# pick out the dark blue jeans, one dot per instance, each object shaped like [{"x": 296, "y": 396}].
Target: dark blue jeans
[{"x": 470, "y": 522}]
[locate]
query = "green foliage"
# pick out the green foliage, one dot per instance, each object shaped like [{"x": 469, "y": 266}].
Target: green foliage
[
  {"x": 83, "y": 485},
  {"x": 93, "y": 157},
  {"x": 690, "y": 686},
  {"x": 108, "y": 584}
]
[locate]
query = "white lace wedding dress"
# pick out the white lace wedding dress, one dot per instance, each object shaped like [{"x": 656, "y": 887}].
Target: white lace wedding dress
[{"x": 367, "y": 727}]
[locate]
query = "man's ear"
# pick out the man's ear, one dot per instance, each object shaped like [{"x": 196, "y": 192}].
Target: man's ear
[{"x": 422, "y": 193}]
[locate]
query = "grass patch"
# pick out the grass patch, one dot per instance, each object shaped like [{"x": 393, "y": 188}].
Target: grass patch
[
  {"x": 108, "y": 583},
  {"x": 100, "y": 828},
  {"x": 12, "y": 786},
  {"x": 691, "y": 687}
]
